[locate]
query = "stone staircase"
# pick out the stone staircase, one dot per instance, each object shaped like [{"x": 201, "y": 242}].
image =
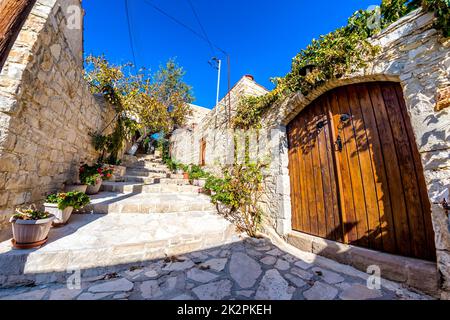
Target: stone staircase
[{"x": 150, "y": 214}]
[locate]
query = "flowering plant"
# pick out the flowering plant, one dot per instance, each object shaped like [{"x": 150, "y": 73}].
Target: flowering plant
[
  {"x": 74, "y": 199},
  {"x": 90, "y": 175},
  {"x": 30, "y": 214},
  {"x": 106, "y": 172}
]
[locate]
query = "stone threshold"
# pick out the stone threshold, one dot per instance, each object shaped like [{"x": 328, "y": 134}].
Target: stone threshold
[{"x": 414, "y": 273}]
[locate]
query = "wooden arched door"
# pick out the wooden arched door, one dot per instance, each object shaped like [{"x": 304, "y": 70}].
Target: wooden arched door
[{"x": 356, "y": 174}]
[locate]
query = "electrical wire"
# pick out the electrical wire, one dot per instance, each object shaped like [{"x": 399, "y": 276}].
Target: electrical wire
[
  {"x": 201, "y": 26},
  {"x": 183, "y": 25},
  {"x": 130, "y": 34}
]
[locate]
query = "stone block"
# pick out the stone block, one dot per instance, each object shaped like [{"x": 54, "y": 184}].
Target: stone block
[
  {"x": 423, "y": 275},
  {"x": 392, "y": 267},
  {"x": 301, "y": 241},
  {"x": 443, "y": 98},
  {"x": 332, "y": 249}
]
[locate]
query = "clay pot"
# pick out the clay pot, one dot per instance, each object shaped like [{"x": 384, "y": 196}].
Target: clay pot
[
  {"x": 76, "y": 187},
  {"x": 185, "y": 175},
  {"x": 95, "y": 188},
  {"x": 61, "y": 216},
  {"x": 119, "y": 172},
  {"x": 30, "y": 232}
]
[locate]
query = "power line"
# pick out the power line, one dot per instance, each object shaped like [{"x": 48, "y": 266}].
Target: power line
[
  {"x": 183, "y": 25},
  {"x": 201, "y": 26},
  {"x": 130, "y": 34}
]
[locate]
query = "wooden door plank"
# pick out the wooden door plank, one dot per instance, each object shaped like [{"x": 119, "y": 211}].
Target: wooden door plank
[
  {"x": 348, "y": 216},
  {"x": 349, "y": 143},
  {"x": 387, "y": 230},
  {"x": 407, "y": 171},
  {"x": 417, "y": 162},
  {"x": 366, "y": 169},
  {"x": 394, "y": 180},
  {"x": 309, "y": 171},
  {"x": 297, "y": 186},
  {"x": 302, "y": 178},
  {"x": 335, "y": 174},
  {"x": 293, "y": 145},
  {"x": 318, "y": 166},
  {"x": 325, "y": 164}
]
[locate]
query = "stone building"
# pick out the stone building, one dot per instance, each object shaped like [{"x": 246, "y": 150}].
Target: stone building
[
  {"x": 414, "y": 65},
  {"x": 47, "y": 113},
  {"x": 45, "y": 121}
]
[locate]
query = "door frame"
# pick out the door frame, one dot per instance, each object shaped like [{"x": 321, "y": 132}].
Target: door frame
[{"x": 283, "y": 222}]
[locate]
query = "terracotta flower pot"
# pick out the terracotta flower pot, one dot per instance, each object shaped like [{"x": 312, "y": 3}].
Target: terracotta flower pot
[
  {"x": 185, "y": 175},
  {"x": 119, "y": 172},
  {"x": 76, "y": 187},
  {"x": 29, "y": 232},
  {"x": 95, "y": 188},
  {"x": 61, "y": 216}
]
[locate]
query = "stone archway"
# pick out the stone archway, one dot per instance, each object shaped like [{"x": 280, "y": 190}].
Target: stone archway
[{"x": 355, "y": 171}]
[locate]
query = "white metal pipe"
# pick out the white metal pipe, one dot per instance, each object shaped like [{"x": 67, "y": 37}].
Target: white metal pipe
[{"x": 218, "y": 82}]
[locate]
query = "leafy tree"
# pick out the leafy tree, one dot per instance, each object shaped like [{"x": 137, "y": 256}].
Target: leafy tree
[{"x": 150, "y": 103}]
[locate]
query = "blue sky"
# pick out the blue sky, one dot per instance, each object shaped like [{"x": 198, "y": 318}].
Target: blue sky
[{"x": 261, "y": 36}]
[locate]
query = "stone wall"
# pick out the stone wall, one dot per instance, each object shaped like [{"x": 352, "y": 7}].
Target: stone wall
[
  {"x": 185, "y": 143},
  {"x": 46, "y": 109},
  {"x": 413, "y": 54}
]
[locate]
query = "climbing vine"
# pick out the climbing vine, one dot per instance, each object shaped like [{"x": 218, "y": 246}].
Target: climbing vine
[{"x": 340, "y": 52}]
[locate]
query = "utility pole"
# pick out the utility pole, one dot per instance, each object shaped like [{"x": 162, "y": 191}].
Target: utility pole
[{"x": 218, "y": 66}]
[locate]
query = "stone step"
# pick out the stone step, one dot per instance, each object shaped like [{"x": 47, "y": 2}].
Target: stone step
[
  {"x": 170, "y": 188},
  {"x": 174, "y": 181},
  {"x": 122, "y": 187},
  {"x": 149, "y": 164},
  {"x": 175, "y": 176},
  {"x": 151, "y": 173},
  {"x": 137, "y": 179},
  {"x": 96, "y": 244},
  {"x": 132, "y": 187},
  {"x": 147, "y": 203}
]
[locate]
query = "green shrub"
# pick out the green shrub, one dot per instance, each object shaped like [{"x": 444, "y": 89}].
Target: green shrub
[
  {"x": 196, "y": 172},
  {"x": 239, "y": 190},
  {"x": 75, "y": 199}
]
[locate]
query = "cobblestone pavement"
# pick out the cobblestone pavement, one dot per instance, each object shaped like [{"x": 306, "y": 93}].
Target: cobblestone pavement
[{"x": 247, "y": 270}]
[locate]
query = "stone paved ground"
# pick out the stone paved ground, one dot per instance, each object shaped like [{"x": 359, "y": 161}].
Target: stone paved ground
[{"x": 246, "y": 270}]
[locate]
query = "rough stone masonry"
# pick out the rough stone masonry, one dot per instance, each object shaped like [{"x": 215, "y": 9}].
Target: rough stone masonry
[
  {"x": 413, "y": 54},
  {"x": 46, "y": 108}
]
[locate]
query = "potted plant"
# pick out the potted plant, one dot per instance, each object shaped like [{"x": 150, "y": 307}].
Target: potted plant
[
  {"x": 92, "y": 176},
  {"x": 184, "y": 170},
  {"x": 197, "y": 175},
  {"x": 75, "y": 187},
  {"x": 61, "y": 205},
  {"x": 118, "y": 171},
  {"x": 30, "y": 227}
]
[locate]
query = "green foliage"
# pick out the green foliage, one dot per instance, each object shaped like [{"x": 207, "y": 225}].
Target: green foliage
[
  {"x": 30, "y": 214},
  {"x": 239, "y": 190},
  {"x": 90, "y": 175},
  {"x": 441, "y": 9},
  {"x": 336, "y": 54},
  {"x": 196, "y": 172},
  {"x": 158, "y": 101},
  {"x": 172, "y": 164},
  {"x": 74, "y": 199}
]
